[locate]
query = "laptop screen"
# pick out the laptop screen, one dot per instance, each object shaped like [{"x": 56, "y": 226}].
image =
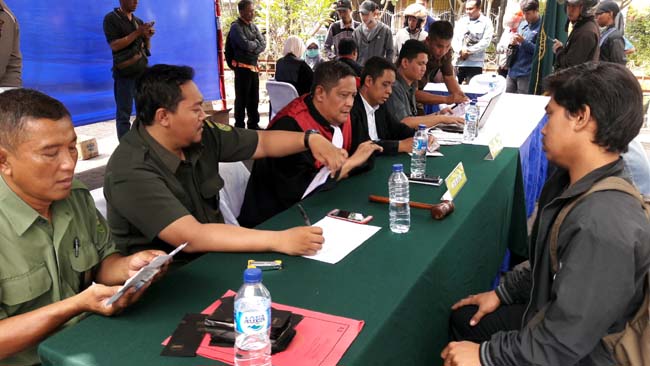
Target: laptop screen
[{"x": 488, "y": 110}]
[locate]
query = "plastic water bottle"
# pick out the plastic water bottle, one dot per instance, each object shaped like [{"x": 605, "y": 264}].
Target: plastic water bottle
[
  {"x": 492, "y": 85},
  {"x": 419, "y": 152},
  {"x": 398, "y": 192},
  {"x": 470, "y": 131},
  {"x": 253, "y": 321}
]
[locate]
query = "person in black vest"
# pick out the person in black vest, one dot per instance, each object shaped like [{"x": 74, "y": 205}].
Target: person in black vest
[
  {"x": 247, "y": 44},
  {"x": 612, "y": 44},
  {"x": 292, "y": 69},
  {"x": 128, "y": 36},
  {"x": 277, "y": 183}
]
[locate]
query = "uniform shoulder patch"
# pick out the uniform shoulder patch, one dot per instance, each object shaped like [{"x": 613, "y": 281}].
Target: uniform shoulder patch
[{"x": 222, "y": 127}]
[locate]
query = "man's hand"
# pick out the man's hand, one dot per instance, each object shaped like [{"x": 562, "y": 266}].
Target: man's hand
[
  {"x": 140, "y": 259},
  {"x": 406, "y": 145},
  {"x": 328, "y": 154},
  {"x": 306, "y": 240},
  {"x": 94, "y": 298},
  {"x": 146, "y": 30},
  {"x": 461, "y": 354},
  {"x": 359, "y": 157},
  {"x": 464, "y": 54},
  {"x": 517, "y": 39},
  {"x": 557, "y": 45},
  {"x": 487, "y": 302},
  {"x": 449, "y": 119}
]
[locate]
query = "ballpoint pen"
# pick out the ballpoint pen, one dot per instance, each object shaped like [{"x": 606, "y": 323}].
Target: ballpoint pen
[{"x": 304, "y": 215}]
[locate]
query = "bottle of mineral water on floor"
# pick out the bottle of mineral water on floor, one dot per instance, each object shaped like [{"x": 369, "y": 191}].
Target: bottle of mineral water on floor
[
  {"x": 398, "y": 192},
  {"x": 253, "y": 321},
  {"x": 470, "y": 130},
  {"x": 419, "y": 152}
]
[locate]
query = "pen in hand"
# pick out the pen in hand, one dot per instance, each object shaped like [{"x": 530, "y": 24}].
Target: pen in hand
[{"x": 304, "y": 215}]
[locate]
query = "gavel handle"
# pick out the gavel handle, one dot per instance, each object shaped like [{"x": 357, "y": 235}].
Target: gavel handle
[{"x": 382, "y": 199}]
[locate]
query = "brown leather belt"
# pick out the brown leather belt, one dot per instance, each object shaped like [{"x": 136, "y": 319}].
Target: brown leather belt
[{"x": 246, "y": 66}]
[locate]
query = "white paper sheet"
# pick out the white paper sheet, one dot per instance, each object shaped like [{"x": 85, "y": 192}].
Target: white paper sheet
[{"x": 341, "y": 238}]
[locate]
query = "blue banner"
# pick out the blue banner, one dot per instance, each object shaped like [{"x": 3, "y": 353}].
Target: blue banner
[{"x": 65, "y": 53}]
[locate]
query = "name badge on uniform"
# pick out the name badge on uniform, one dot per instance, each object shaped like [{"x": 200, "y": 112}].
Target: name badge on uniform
[
  {"x": 495, "y": 145},
  {"x": 455, "y": 182}
]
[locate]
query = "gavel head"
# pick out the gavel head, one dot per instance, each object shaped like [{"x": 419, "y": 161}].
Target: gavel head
[{"x": 441, "y": 210}]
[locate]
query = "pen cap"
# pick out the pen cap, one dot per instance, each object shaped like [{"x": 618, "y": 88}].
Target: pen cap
[{"x": 252, "y": 275}]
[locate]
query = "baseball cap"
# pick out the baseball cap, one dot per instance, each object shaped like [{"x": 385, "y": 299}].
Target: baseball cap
[
  {"x": 343, "y": 5},
  {"x": 608, "y": 6},
  {"x": 367, "y": 7}
]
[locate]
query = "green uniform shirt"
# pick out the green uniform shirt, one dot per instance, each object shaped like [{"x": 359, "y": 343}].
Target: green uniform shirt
[
  {"x": 41, "y": 261},
  {"x": 148, "y": 187}
]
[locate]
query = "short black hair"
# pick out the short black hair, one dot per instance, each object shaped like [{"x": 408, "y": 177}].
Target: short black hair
[
  {"x": 527, "y": 5},
  {"x": 160, "y": 87},
  {"x": 347, "y": 46},
  {"x": 18, "y": 106},
  {"x": 411, "y": 49},
  {"x": 441, "y": 29},
  {"x": 478, "y": 2},
  {"x": 613, "y": 95},
  {"x": 327, "y": 74},
  {"x": 241, "y": 5},
  {"x": 375, "y": 67}
]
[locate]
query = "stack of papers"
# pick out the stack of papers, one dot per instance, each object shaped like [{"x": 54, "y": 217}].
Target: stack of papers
[
  {"x": 341, "y": 238},
  {"x": 446, "y": 138}
]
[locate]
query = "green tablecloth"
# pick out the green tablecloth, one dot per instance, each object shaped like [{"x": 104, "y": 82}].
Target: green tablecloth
[{"x": 402, "y": 286}]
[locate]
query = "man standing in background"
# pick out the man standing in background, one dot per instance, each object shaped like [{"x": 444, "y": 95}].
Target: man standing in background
[
  {"x": 373, "y": 37},
  {"x": 582, "y": 44},
  {"x": 612, "y": 44},
  {"x": 247, "y": 43},
  {"x": 129, "y": 38},
  {"x": 524, "y": 47},
  {"x": 11, "y": 61},
  {"x": 340, "y": 29},
  {"x": 472, "y": 36}
]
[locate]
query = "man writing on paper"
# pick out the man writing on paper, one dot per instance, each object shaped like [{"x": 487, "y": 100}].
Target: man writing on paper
[
  {"x": 411, "y": 66},
  {"x": 54, "y": 243},
  {"x": 557, "y": 309},
  {"x": 278, "y": 183},
  {"x": 371, "y": 120},
  {"x": 162, "y": 182}
]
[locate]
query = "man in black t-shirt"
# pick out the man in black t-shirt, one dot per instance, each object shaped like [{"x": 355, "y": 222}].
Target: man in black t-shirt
[{"x": 128, "y": 36}]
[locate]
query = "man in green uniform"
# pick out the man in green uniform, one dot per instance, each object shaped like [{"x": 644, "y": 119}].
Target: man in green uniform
[
  {"x": 162, "y": 182},
  {"x": 53, "y": 242}
]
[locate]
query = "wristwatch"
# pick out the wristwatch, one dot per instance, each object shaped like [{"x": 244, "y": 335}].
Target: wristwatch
[{"x": 307, "y": 133}]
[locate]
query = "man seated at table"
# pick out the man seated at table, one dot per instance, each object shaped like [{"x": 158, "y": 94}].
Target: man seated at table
[
  {"x": 162, "y": 182},
  {"x": 440, "y": 56},
  {"x": 371, "y": 120},
  {"x": 558, "y": 315},
  {"x": 57, "y": 258},
  {"x": 278, "y": 183},
  {"x": 411, "y": 66}
]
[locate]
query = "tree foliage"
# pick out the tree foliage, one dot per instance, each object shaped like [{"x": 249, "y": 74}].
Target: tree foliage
[{"x": 637, "y": 30}]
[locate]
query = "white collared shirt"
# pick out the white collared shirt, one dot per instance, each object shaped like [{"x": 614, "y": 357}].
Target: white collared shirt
[{"x": 370, "y": 115}]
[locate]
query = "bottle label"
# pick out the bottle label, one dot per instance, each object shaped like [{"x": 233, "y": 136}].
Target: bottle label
[{"x": 251, "y": 322}]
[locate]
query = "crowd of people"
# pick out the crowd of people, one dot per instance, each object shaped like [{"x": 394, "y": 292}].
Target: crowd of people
[{"x": 61, "y": 258}]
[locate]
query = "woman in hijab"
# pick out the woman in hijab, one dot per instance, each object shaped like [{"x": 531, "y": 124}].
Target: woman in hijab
[
  {"x": 291, "y": 69},
  {"x": 312, "y": 56}
]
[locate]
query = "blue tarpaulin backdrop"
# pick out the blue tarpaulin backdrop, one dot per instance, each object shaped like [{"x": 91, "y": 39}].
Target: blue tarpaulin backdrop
[{"x": 65, "y": 53}]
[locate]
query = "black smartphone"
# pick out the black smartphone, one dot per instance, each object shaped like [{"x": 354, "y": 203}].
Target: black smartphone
[
  {"x": 349, "y": 216},
  {"x": 427, "y": 179}
]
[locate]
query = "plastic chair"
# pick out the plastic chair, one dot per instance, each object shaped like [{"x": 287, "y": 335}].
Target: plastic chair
[
  {"x": 280, "y": 94},
  {"x": 484, "y": 80}
]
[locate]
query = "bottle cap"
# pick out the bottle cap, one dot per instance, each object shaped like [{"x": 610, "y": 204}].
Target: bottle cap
[
  {"x": 398, "y": 168},
  {"x": 422, "y": 127},
  {"x": 252, "y": 275},
  {"x": 473, "y": 102}
]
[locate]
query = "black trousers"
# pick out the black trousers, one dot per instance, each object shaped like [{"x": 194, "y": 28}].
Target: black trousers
[
  {"x": 468, "y": 72},
  {"x": 247, "y": 97},
  {"x": 506, "y": 317}
]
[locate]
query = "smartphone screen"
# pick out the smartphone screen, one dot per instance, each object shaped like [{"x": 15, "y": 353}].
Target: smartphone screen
[{"x": 348, "y": 215}]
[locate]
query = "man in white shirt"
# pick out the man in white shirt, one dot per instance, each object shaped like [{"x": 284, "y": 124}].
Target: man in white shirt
[{"x": 472, "y": 36}]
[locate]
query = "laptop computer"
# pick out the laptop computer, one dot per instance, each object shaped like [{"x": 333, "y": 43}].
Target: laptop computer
[{"x": 483, "y": 117}]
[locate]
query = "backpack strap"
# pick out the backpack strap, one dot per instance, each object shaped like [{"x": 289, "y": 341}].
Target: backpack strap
[{"x": 607, "y": 184}]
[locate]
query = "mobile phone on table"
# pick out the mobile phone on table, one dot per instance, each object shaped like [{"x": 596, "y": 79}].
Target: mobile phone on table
[
  {"x": 427, "y": 179},
  {"x": 349, "y": 216}
]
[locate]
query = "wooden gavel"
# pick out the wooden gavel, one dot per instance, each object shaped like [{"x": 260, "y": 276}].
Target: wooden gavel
[{"x": 438, "y": 211}]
